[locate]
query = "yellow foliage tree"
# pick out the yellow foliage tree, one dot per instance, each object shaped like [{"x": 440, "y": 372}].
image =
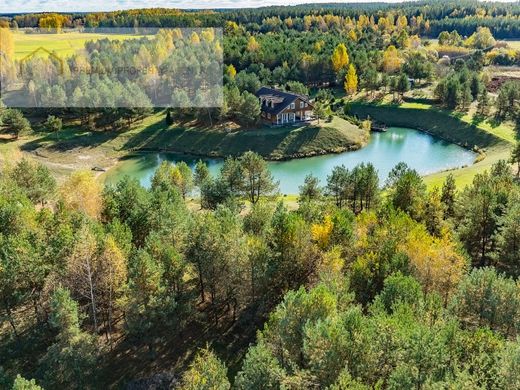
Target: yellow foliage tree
[
  {"x": 391, "y": 60},
  {"x": 435, "y": 262},
  {"x": 231, "y": 71},
  {"x": 321, "y": 232},
  {"x": 81, "y": 192},
  {"x": 208, "y": 35},
  {"x": 351, "y": 80},
  {"x": 332, "y": 262},
  {"x": 252, "y": 44},
  {"x": 52, "y": 22},
  {"x": 112, "y": 279},
  {"x": 402, "y": 22},
  {"x": 6, "y": 43},
  {"x": 7, "y": 68},
  {"x": 340, "y": 58},
  {"x": 231, "y": 28},
  {"x": 352, "y": 35},
  {"x": 194, "y": 39}
]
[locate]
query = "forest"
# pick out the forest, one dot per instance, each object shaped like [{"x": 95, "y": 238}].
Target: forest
[
  {"x": 216, "y": 280},
  {"x": 364, "y": 285}
]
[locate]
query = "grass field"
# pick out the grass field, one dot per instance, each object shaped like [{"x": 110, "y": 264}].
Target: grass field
[
  {"x": 513, "y": 44},
  {"x": 64, "y": 44}
]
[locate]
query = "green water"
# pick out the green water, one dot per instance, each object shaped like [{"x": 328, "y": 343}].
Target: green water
[{"x": 419, "y": 150}]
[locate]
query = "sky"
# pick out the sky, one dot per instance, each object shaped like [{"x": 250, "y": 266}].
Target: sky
[{"x": 17, "y": 6}]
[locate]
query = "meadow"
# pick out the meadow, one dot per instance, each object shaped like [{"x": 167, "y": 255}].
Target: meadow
[{"x": 64, "y": 44}]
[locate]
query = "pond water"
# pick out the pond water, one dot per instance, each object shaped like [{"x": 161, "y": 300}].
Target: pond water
[{"x": 421, "y": 151}]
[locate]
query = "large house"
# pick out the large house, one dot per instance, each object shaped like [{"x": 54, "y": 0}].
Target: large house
[{"x": 280, "y": 107}]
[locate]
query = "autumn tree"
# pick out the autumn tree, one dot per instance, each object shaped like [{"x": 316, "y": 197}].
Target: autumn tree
[
  {"x": 206, "y": 371},
  {"x": 351, "y": 80},
  {"x": 391, "y": 60},
  {"x": 83, "y": 272},
  {"x": 435, "y": 262},
  {"x": 252, "y": 45},
  {"x": 340, "y": 58},
  {"x": 8, "y": 73},
  {"x": 81, "y": 192},
  {"x": 21, "y": 383},
  {"x": 231, "y": 72},
  {"x": 112, "y": 279}
]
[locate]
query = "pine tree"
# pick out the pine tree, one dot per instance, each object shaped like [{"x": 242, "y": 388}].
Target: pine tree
[
  {"x": 449, "y": 191},
  {"x": 484, "y": 103},
  {"x": 515, "y": 158},
  {"x": 71, "y": 360},
  {"x": 201, "y": 174},
  {"x": 169, "y": 119}
]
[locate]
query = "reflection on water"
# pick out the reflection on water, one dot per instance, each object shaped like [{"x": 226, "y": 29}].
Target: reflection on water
[{"x": 419, "y": 150}]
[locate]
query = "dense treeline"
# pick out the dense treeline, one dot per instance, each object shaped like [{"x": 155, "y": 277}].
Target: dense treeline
[
  {"x": 388, "y": 289},
  {"x": 463, "y": 16}
]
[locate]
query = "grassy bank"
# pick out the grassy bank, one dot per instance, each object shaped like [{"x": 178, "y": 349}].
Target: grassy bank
[
  {"x": 494, "y": 140},
  {"x": 75, "y": 148},
  {"x": 440, "y": 123},
  {"x": 272, "y": 143}
]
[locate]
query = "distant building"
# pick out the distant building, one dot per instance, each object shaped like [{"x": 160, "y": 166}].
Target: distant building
[{"x": 280, "y": 107}]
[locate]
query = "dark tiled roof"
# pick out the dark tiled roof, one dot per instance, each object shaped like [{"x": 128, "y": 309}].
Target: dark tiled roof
[{"x": 281, "y": 99}]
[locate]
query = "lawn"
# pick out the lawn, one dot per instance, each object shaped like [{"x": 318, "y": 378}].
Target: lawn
[
  {"x": 513, "y": 44},
  {"x": 64, "y": 44},
  {"x": 271, "y": 142}
]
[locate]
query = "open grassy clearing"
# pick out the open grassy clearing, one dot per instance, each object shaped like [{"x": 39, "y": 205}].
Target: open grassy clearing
[
  {"x": 513, "y": 44},
  {"x": 64, "y": 44}
]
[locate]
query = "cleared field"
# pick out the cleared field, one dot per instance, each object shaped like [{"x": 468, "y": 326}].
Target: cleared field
[
  {"x": 514, "y": 44},
  {"x": 64, "y": 44}
]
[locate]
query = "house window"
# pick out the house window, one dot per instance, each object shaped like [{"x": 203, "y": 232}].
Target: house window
[
  {"x": 292, "y": 105},
  {"x": 301, "y": 104},
  {"x": 306, "y": 105}
]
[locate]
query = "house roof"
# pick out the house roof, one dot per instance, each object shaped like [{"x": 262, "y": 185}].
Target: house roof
[{"x": 280, "y": 99}]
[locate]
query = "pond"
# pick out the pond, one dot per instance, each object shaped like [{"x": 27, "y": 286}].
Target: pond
[{"x": 421, "y": 151}]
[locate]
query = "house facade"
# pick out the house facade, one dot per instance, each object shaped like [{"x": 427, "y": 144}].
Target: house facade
[{"x": 280, "y": 107}]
